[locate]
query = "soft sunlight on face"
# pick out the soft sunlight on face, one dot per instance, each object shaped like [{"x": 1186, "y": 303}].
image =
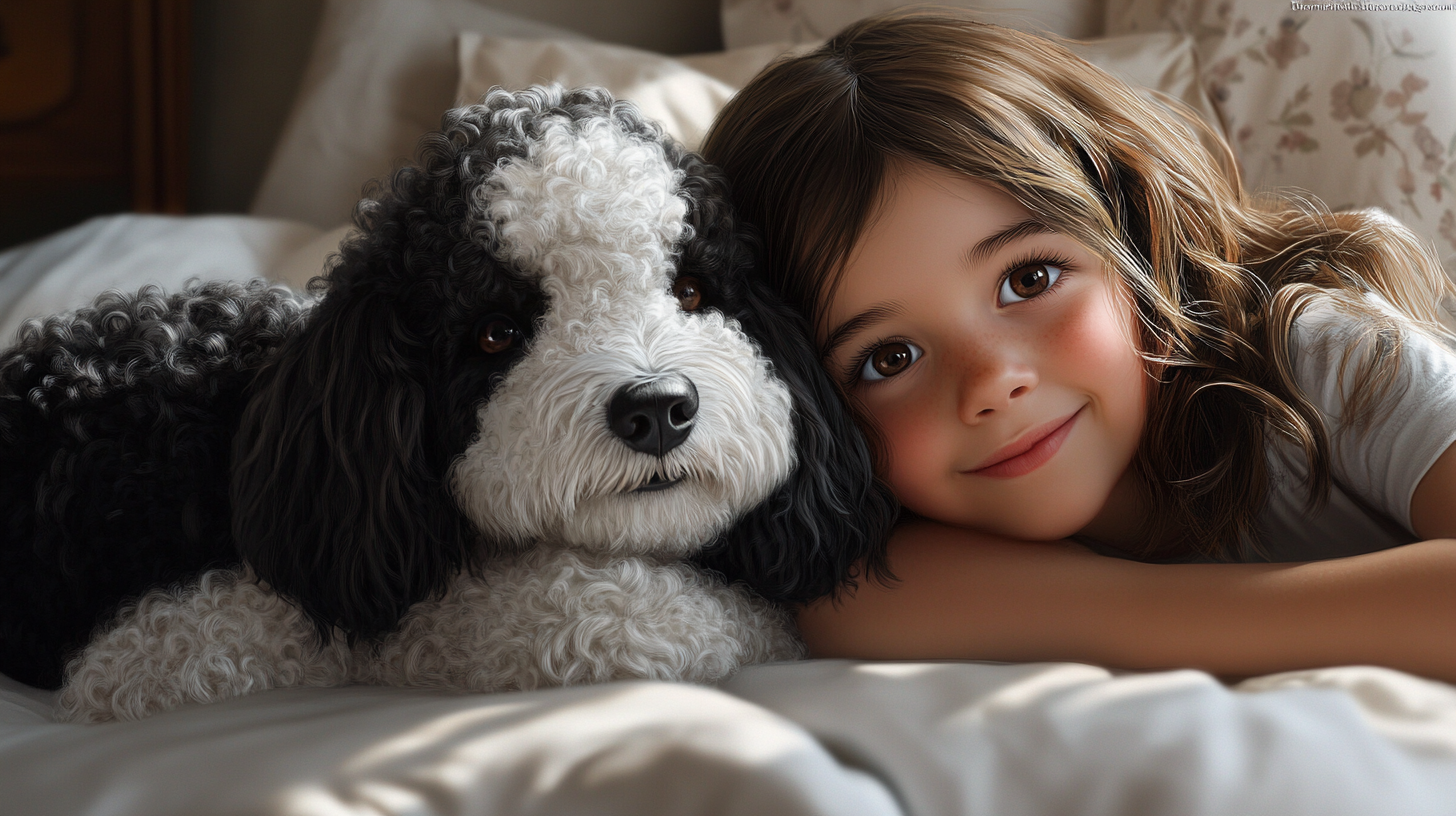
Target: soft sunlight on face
[{"x": 995, "y": 356}]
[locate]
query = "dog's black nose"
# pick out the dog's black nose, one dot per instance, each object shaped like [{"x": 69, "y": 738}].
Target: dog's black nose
[{"x": 654, "y": 417}]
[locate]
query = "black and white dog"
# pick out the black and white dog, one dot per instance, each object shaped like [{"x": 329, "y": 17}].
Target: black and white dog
[{"x": 541, "y": 428}]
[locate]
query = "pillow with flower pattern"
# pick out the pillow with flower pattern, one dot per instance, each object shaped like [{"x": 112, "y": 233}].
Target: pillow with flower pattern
[{"x": 1356, "y": 108}]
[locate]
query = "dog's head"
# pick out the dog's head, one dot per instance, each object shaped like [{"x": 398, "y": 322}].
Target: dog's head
[{"x": 547, "y": 331}]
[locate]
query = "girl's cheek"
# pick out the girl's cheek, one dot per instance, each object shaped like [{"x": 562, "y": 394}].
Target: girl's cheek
[
  {"x": 1097, "y": 340},
  {"x": 1098, "y": 351},
  {"x": 914, "y": 444},
  {"x": 1089, "y": 336}
]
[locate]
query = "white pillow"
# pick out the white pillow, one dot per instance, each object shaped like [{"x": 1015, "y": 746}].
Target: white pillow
[
  {"x": 381, "y": 74},
  {"x": 753, "y": 22},
  {"x": 685, "y": 93},
  {"x": 1356, "y": 108}
]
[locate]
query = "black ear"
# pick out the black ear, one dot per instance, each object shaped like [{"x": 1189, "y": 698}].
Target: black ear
[
  {"x": 337, "y": 492},
  {"x": 829, "y": 523}
]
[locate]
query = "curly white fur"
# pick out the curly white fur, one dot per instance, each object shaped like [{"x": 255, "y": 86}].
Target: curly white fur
[
  {"x": 555, "y": 617},
  {"x": 547, "y": 617},
  {"x": 222, "y": 637},
  {"x": 596, "y": 593}
]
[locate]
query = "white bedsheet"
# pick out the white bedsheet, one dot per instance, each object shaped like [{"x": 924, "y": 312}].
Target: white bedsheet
[{"x": 815, "y": 737}]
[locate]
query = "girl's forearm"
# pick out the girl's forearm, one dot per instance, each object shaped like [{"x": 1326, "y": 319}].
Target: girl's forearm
[
  {"x": 968, "y": 595},
  {"x": 963, "y": 594},
  {"x": 1394, "y": 608}
]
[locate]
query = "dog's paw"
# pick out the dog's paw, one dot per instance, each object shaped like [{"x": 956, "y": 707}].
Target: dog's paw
[
  {"x": 559, "y": 618},
  {"x": 766, "y": 631},
  {"x": 220, "y": 638}
]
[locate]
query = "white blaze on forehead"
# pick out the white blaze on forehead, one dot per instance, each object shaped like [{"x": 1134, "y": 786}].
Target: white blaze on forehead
[{"x": 588, "y": 204}]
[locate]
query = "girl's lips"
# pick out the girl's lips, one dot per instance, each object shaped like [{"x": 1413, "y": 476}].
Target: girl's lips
[{"x": 1030, "y": 452}]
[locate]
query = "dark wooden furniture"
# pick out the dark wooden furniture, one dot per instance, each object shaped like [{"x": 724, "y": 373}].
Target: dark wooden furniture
[{"x": 93, "y": 111}]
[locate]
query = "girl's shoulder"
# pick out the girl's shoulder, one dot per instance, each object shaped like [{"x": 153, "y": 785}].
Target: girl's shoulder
[
  {"x": 1385, "y": 389},
  {"x": 1338, "y": 310},
  {"x": 1342, "y": 344}
]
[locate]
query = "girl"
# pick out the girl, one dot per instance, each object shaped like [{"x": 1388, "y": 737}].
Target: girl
[{"x": 1075, "y": 338}]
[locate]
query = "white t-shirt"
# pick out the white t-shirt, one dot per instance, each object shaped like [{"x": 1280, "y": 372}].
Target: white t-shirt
[{"x": 1375, "y": 470}]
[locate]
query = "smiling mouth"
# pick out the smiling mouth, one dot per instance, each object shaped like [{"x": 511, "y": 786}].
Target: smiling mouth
[
  {"x": 1024, "y": 457},
  {"x": 658, "y": 482}
]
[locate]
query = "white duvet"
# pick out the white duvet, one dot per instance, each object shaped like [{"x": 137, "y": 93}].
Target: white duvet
[{"x": 813, "y": 737}]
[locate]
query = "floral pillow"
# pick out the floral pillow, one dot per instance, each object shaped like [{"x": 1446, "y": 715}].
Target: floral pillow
[{"x": 1355, "y": 108}]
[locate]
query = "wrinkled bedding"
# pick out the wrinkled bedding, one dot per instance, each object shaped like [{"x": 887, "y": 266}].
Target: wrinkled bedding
[
  {"x": 812, "y": 737},
  {"x": 816, "y": 737}
]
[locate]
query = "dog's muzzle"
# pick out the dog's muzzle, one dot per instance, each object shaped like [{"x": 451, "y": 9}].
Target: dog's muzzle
[{"x": 656, "y": 416}]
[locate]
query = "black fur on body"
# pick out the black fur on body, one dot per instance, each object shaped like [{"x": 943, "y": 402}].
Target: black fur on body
[
  {"x": 338, "y": 453},
  {"x": 116, "y": 427}
]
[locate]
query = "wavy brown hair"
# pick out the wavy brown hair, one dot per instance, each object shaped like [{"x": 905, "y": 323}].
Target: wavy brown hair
[{"x": 1217, "y": 277}]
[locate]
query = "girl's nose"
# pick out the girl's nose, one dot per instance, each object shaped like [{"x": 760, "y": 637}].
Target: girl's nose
[{"x": 990, "y": 382}]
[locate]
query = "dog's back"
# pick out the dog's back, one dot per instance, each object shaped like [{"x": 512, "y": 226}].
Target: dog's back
[{"x": 116, "y": 429}]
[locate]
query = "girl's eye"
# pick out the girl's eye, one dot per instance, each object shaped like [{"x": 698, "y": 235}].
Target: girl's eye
[
  {"x": 1027, "y": 281},
  {"x": 888, "y": 360},
  {"x": 497, "y": 333},
  {"x": 689, "y": 293}
]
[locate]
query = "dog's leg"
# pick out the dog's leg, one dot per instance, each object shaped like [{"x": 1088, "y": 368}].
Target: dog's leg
[
  {"x": 557, "y": 617},
  {"x": 764, "y": 631},
  {"x": 222, "y": 637},
  {"x": 468, "y": 640}
]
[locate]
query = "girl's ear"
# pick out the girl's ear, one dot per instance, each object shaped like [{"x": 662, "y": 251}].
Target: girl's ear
[
  {"x": 336, "y": 501},
  {"x": 829, "y": 522}
]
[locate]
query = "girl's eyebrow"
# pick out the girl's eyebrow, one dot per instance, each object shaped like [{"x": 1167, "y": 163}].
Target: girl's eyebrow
[
  {"x": 987, "y": 246},
  {"x": 857, "y": 324}
]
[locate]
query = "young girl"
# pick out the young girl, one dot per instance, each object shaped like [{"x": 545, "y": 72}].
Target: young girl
[{"x": 1075, "y": 338}]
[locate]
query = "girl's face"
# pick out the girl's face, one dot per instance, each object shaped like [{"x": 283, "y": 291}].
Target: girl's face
[{"x": 995, "y": 355}]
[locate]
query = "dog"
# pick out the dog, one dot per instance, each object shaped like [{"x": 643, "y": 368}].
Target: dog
[{"x": 541, "y": 426}]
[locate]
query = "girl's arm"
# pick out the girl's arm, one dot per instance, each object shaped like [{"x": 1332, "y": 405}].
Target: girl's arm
[
  {"x": 1433, "y": 507},
  {"x": 964, "y": 594}
]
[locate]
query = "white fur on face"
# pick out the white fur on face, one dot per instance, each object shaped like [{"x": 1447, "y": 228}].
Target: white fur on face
[{"x": 594, "y": 214}]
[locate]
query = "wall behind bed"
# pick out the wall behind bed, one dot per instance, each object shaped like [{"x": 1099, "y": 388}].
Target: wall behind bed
[{"x": 249, "y": 56}]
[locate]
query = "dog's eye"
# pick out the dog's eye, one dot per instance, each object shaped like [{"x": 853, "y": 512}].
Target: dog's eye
[
  {"x": 497, "y": 334},
  {"x": 689, "y": 293}
]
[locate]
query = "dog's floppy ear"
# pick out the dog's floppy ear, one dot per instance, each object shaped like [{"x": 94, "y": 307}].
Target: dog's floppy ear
[
  {"x": 337, "y": 493},
  {"x": 828, "y": 523}
]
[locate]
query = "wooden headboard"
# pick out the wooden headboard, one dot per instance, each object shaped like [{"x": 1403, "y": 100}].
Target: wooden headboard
[{"x": 93, "y": 111}]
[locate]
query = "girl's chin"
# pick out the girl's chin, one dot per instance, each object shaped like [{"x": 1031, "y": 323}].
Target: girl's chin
[
  {"x": 1035, "y": 524},
  {"x": 1025, "y": 529},
  {"x": 1036, "y": 511},
  {"x": 1040, "y": 533}
]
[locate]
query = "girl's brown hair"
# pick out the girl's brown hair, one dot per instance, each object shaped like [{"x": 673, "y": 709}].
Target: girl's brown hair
[{"x": 1217, "y": 278}]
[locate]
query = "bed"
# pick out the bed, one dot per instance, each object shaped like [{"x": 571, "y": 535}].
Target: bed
[{"x": 1352, "y": 107}]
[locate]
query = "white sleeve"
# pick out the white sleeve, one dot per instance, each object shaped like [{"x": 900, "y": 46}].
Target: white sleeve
[{"x": 1410, "y": 428}]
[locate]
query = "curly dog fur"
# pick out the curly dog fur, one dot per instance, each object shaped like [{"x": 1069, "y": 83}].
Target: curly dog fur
[
  {"x": 541, "y": 427},
  {"x": 116, "y": 426}
]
